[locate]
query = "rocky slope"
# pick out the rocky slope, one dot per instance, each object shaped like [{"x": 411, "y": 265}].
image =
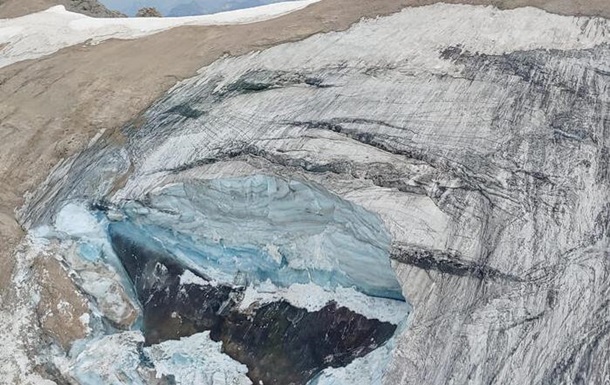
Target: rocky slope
[{"x": 90, "y": 8}]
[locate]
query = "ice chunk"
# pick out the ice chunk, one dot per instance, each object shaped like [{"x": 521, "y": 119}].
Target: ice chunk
[
  {"x": 189, "y": 278},
  {"x": 197, "y": 360},
  {"x": 77, "y": 220},
  {"x": 313, "y": 298},
  {"x": 113, "y": 360}
]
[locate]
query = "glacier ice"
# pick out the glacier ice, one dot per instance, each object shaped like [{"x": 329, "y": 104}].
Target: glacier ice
[
  {"x": 276, "y": 240},
  {"x": 122, "y": 358},
  {"x": 197, "y": 360},
  {"x": 267, "y": 228},
  {"x": 369, "y": 369},
  {"x": 82, "y": 233},
  {"x": 114, "y": 360}
]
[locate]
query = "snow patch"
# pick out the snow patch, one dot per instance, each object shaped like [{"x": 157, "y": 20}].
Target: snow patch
[
  {"x": 189, "y": 278},
  {"x": 313, "y": 298},
  {"x": 46, "y": 32},
  {"x": 197, "y": 360}
]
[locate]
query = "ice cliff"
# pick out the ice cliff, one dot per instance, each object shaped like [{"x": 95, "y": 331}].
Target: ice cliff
[{"x": 469, "y": 145}]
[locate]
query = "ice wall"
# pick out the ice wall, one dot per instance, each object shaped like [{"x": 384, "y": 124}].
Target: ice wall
[{"x": 261, "y": 227}]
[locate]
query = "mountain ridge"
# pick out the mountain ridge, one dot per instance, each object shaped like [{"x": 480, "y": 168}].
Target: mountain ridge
[{"x": 16, "y": 8}]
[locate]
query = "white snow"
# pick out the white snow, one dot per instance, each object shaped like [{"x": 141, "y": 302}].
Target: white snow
[
  {"x": 197, "y": 360},
  {"x": 189, "y": 278},
  {"x": 313, "y": 298},
  {"x": 113, "y": 359},
  {"x": 46, "y": 32},
  {"x": 75, "y": 219}
]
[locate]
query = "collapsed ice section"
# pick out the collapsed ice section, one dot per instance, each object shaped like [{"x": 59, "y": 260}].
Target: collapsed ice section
[
  {"x": 113, "y": 360},
  {"x": 82, "y": 236},
  {"x": 260, "y": 228},
  {"x": 197, "y": 360},
  {"x": 122, "y": 359},
  {"x": 278, "y": 248}
]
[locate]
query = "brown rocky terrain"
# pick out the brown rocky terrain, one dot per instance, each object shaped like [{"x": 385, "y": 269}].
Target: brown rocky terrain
[{"x": 148, "y": 12}]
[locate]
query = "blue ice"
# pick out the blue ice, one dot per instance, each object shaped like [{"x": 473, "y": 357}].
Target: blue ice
[{"x": 263, "y": 227}]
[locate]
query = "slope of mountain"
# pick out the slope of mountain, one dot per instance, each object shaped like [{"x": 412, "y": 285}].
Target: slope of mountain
[
  {"x": 432, "y": 209},
  {"x": 58, "y": 28},
  {"x": 16, "y": 8},
  {"x": 456, "y": 139}
]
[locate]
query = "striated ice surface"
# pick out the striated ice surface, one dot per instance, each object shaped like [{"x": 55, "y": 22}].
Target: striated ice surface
[
  {"x": 261, "y": 228},
  {"x": 112, "y": 360},
  {"x": 369, "y": 369}
]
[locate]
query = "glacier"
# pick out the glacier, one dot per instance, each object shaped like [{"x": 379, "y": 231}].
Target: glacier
[
  {"x": 122, "y": 358},
  {"x": 58, "y": 28},
  {"x": 267, "y": 228},
  {"x": 471, "y": 154},
  {"x": 182, "y": 7},
  {"x": 259, "y": 241}
]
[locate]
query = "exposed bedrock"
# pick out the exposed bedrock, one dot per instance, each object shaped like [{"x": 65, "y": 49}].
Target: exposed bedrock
[
  {"x": 280, "y": 343},
  {"x": 484, "y": 154}
]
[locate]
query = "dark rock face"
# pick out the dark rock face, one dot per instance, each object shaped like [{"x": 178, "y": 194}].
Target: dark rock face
[
  {"x": 148, "y": 12},
  {"x": 171, "y": 310},
  {"x": 279, "y": 343},
  {"x": 282, "y": 344},
  {"x": 90, "y": 8}
]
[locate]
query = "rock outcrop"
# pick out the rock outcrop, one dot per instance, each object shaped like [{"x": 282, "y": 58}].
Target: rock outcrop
[
  {"x": 90, "y": 8},
  {"x": 148, "y": 12}
]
